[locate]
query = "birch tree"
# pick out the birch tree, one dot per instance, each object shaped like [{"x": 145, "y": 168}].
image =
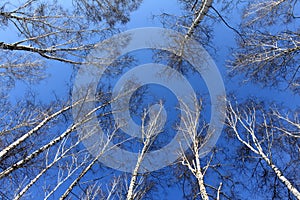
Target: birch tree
[
  {"x": 39, "y": 141},
  {"x": 266, "y": 54},
  {"x": 191, "y": 133},
  {"x": 40, "y": 152},
  {"x": 54, "y": 31},
  {"x": 262, "y": 132},
  {"x": 149, "y": 134}
]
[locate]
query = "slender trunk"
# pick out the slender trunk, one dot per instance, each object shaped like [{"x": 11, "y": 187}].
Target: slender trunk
[
  {"x": 281, "y": 177},
  {"x": 130, "y": 193},
  {"x": 76, "y": 181},
  {"x": 206, "y": 4},
  {"x": 34, "y": 180},
  {"x": 50, "y": 144},
  {"x": 36, "y": 153},
  {"x": 32, "y": 131},
  {"x": 200, "y": 177}
]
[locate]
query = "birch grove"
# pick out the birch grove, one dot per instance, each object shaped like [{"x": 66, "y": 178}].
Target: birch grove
[{"x": 43, "y": 156}]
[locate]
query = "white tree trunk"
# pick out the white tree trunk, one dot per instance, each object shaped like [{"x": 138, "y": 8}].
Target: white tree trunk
[
  {"x": 200, "y": 15},
  {"x": 32, "y": 131},
  {"x": 281, "y": 177},
  {"x": 200, "y": 178}
]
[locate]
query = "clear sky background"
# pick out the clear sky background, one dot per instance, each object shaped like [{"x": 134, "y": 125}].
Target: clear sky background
[
  {"x": 60, "y": 74},
  {"x": 59, "y": 80}
]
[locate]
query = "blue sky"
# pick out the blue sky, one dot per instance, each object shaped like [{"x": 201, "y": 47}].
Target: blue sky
[
  {"x": 59, "y": 82},
  {"x": 60, "y": 74}
]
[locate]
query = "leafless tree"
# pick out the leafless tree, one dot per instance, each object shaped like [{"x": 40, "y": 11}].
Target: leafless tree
[
  {"x": 54, "y": 31},
  {"x": 149, "y": 133},
  {"x": 267, "y": 54},
  {"x": 41, "y": 153},
  {"x": 191, "y": 133},
  {"x": 37, "y": 140},
  {"x": 58, "y": 32},
  {"x": 259, "y": 131}
]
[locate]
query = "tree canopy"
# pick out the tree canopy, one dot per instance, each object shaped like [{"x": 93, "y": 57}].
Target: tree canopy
[{"x": 42, "y": 154}]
